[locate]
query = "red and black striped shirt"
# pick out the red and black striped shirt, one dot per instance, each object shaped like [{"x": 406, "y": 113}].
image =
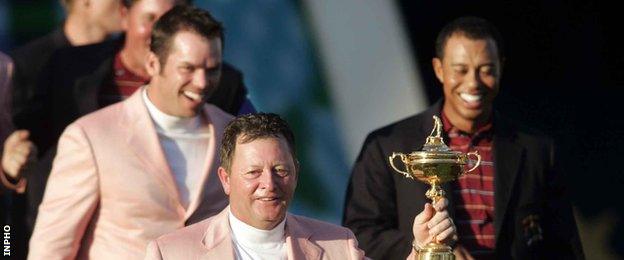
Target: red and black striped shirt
[{"x": 474, "y": 192}]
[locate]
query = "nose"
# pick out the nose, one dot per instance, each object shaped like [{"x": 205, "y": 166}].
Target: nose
[
  {"x": 199, "y": 79},
  {"x": 268, "y": 180},
  {"x": 473, "y": 79}
]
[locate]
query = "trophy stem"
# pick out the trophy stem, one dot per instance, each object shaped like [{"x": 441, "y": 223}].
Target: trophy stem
[
  {"x": 435, "y": 250},
  {"x": 435, "y": 193}
]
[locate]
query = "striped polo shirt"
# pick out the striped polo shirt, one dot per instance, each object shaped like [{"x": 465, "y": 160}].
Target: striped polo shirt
[{"x": 474, "y": 192}]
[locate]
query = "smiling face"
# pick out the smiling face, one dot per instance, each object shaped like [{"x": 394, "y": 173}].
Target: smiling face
[
  {"x": 261, "y": 181},
  {"x": 470, "y": 75},
  {"x": 191, "y": 72}
]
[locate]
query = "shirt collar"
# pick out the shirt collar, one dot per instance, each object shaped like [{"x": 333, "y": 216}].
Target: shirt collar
[
  {"x": 251, "y": 236},
  {"x": 169, "y": 123},
  {"x": 484, "y": 131}
]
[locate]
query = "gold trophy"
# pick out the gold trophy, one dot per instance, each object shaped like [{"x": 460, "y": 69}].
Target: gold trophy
[{"x": 435, "y": 164}]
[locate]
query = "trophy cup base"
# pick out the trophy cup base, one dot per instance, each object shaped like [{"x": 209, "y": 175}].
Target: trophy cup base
[{"x": 435, "y": 251}]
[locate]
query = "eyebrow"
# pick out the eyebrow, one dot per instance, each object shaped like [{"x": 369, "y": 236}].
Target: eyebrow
[
  {"x": 276, "y": 164},
  {"x": 480, "y": 65},
  {"x": 186, "y": 63}
]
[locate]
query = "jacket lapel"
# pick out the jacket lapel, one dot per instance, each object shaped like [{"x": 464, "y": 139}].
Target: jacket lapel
[
  {"x": 508, "y": 155},
  {"x": 298, "y": 241},
  {"x": 216, "y": 126},
  {"x": 218, "y": 240},
  {"x": 143, "y": 141}
]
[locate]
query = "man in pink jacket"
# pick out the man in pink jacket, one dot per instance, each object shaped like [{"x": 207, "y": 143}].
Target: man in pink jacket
[
  {"x": 259, "y": 172},
  {"x": 128, "y": 173}
]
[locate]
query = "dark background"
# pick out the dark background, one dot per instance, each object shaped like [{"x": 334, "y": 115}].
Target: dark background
[{"x": 562, "y": 75}]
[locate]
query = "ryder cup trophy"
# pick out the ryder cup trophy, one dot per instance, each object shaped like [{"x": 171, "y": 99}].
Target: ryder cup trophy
[{"x": 435, "y": 164}]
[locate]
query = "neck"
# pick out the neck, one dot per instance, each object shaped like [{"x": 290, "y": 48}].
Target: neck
[
  {"x": 80, "y": 32},
  {"x": 132, "y": 63},
  {"x": 277, "y": 227},
  {"x": 262, "y": 225},
  {"x": 173, "y": 124},
  {"x": 466, "y": 125}
]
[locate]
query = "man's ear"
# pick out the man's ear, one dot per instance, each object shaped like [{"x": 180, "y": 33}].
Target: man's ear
[
  {"x": 153, "y": 64},
  {"x": 437, "y": 69},
  {"x": 224, "y": 177},
  {"x": 297, "y": 168},
  {"x": 123, "y": 14}
]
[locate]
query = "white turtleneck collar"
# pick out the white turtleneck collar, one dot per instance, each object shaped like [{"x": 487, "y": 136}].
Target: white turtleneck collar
[
  {"x": 171, "y": 124},
  {"x": 253, "y": 243}
]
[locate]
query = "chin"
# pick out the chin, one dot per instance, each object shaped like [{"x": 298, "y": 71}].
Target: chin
[{"x": 272, "y": 215}]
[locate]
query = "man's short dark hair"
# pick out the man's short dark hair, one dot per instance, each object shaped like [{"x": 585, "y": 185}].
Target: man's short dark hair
[
  {"x": 473, "y": 28},
  {"x": 178, "y": 19},
  {"x": 129, "y": 3},
  {"x": 251, "y": 127}
]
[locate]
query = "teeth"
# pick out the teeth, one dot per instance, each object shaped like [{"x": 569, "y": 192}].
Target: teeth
[
  {"x": 192, "y": 95},
  {"x": 267, "y": 199},
  {"x": 470, "y": 98}
]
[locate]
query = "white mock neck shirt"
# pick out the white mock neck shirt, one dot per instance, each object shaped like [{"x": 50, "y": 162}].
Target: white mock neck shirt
[
  {"x": 185, "y": 144},
  {"x": 251, "y": 243}
]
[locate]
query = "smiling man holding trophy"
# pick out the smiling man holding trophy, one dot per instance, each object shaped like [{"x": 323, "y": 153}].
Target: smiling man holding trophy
[{"x": 511, "y": 204}]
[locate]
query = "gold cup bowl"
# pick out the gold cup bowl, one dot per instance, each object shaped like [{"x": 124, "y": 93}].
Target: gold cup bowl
[{"x": 434, "y": 168}]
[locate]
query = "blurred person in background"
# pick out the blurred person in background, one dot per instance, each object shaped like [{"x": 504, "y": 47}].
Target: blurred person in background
[
  {"x": 140, "y": 168},
  {"x": 86, "y": 22}
]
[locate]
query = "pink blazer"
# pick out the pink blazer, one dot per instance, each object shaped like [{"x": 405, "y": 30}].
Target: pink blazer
[
  {"x": 210, "y": 239},
  {"x": 111, "y": 189}
]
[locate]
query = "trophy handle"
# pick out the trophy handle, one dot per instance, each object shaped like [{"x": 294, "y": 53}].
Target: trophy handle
[
  {"x": 475, "y": 153},
  {"x": 391, "y": 159}
]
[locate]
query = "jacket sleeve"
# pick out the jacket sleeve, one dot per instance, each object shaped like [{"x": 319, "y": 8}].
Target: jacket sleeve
[
  {"x": 560, "y": 234},
  {"x": 370, "y": 206},
  {"x": 70, "y": 199},
  {"x": 153, "y": 251}
]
